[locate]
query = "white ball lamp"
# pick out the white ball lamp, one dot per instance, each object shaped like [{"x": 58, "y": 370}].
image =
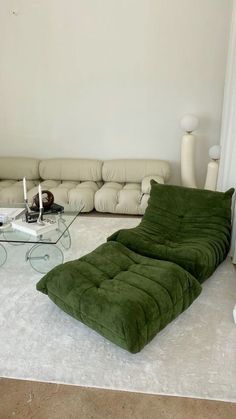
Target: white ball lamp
[
  {"x": 213, "y": 168},
  {"x": 189, "y": 123}
]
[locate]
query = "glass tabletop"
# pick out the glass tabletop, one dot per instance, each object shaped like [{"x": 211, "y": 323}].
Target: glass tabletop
[{"x": 55, "y": 225}]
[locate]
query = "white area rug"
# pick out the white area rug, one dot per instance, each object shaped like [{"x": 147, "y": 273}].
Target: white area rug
[{"x": 194, "y": 356}]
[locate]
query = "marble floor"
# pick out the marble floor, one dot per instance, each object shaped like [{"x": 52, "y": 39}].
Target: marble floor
[{"x": 34, "y": 400}]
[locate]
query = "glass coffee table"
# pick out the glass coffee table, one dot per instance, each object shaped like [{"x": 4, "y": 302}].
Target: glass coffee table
[{"x": 47, "y": 248}]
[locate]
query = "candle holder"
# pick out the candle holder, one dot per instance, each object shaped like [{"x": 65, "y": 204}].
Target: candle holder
[
  {"x": 40, "y": 217},
  {"x": 31, "y": 217},
  {"x": 26, "y": 205}
]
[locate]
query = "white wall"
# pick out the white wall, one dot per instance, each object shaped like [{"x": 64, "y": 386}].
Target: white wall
[
  {"x": 227, "y": 172},
  {"x": 111, "y": 78}
]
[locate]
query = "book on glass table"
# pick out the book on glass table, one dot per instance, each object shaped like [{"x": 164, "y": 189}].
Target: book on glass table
[
  {"x": 34, "y": 228},
  {"x": 11, "y": 213}
]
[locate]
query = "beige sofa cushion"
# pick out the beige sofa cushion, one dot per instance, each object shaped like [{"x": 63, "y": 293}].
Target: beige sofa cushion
[
  {"x": 11, "y": 191},
  {"x": 121, "y": 198},
  {"x": 18, "y": 167},
  {"x": 73, "y": 182},
  {"x": 12, "y": 171},
  {"x": 71, "y": 169},
  {"x": 123, "y": 170},
  {"x": 70, "y": 194},
  {"x": 146, "y": 183},
  {"x": 127, "y": 184}
]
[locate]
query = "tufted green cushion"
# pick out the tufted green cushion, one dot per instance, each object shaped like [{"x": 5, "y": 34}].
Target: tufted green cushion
[
  {"x": 190, "y": 227},
  {"x": 128, "y": 289},
  {"x": 124, "y": 296}
]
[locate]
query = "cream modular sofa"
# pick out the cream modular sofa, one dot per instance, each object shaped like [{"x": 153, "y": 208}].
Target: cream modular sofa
[
  {"x": 73, "y": 182},
  {"x": 12, "y": 171},
  {"x": 126, "y": 185},
  {"x": 113, "y": 186}
]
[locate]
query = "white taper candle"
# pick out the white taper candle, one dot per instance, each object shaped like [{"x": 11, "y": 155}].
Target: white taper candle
[
  {"x": 40, "y": 198},
  {"x": 24, "y": 189}
]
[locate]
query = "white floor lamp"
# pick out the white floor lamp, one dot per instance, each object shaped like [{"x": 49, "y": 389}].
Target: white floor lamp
[
  {"x": 189, "y": 123},
  {"x": 213, "y": 168}
]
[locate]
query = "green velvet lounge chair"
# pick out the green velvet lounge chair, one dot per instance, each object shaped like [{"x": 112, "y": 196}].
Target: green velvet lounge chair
[{"x": 131, "y": 287}]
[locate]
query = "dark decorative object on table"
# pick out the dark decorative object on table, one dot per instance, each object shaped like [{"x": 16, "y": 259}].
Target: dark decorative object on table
[
  {"x": 55, "y": 208},
  {"x": 47, "y": 198},
  {"x": 49, "y": 206}
]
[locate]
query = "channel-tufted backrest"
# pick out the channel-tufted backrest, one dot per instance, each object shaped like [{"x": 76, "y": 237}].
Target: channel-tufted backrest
[
  {"x": 71, "y": 169},
  {"x": 16, "y": 168},
  {"x": 134, "y": 170},
  {"x": 189, "y": 212},
  {"x": 190, "y": 227}
]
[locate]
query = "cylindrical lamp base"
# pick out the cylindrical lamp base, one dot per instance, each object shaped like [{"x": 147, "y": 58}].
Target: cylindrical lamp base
[
  {"x": 187, "y": 161},
  {"x": 212, "y": 174}
]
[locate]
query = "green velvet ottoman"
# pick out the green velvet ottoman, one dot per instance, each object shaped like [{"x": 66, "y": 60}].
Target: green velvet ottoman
[{"x": 126, "y": 297}]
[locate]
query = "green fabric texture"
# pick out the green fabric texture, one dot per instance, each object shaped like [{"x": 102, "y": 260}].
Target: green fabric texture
[
  {"x": 126, "y": 297},
  {"x": 190, "y": 227},
  {"x": 131, "y": 287}
]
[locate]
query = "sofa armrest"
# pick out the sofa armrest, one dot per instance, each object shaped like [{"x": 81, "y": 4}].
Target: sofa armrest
[{"x": 146, "y": 185}]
